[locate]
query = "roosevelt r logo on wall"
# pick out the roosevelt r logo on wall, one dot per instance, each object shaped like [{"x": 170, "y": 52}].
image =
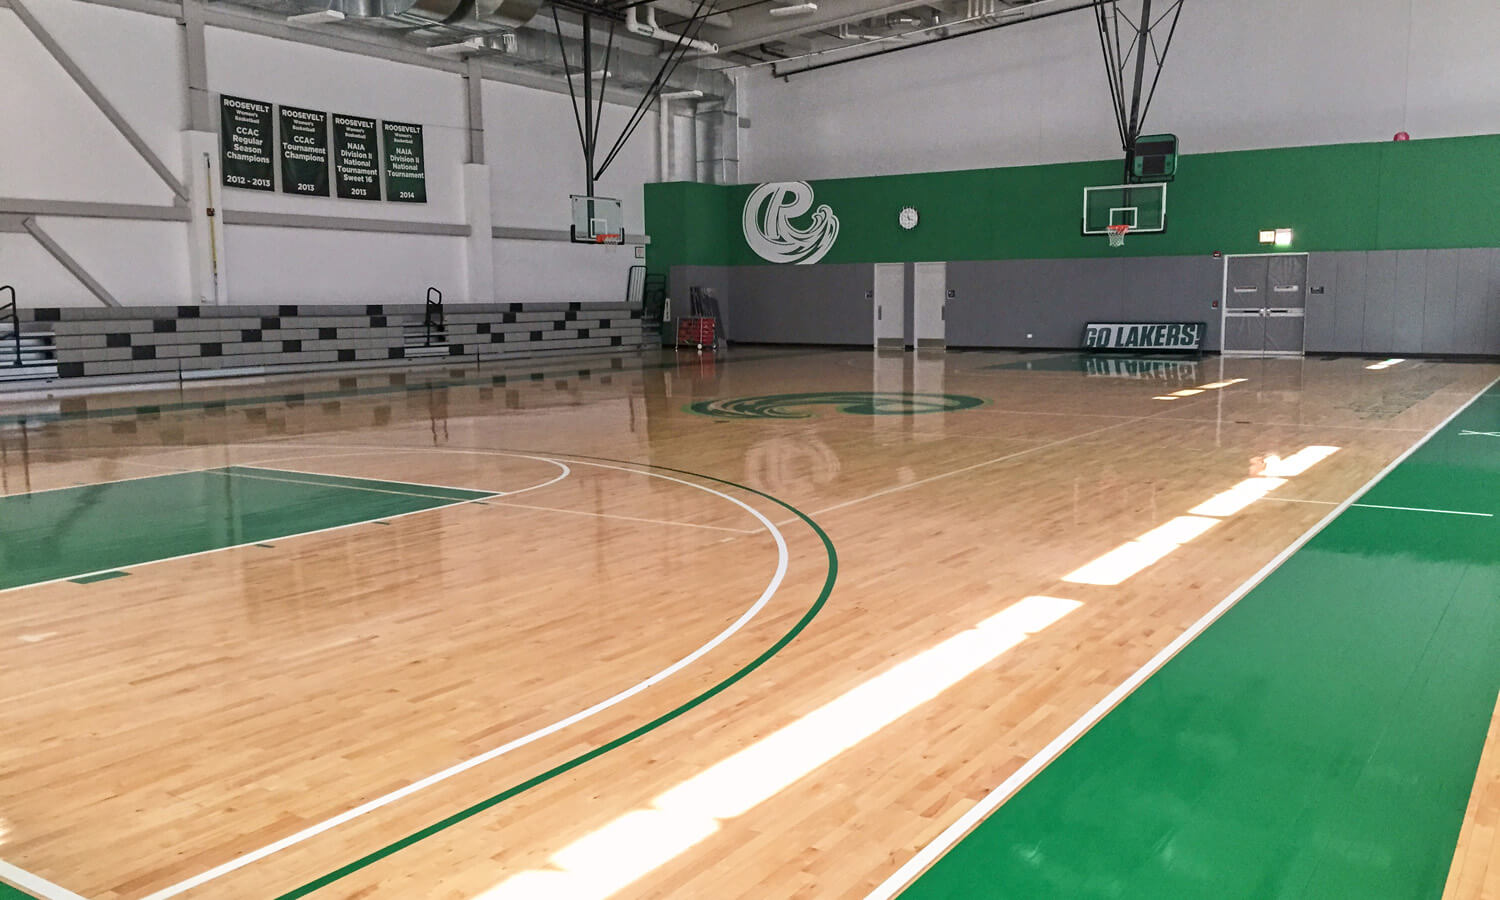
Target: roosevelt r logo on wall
[{"x": 771, "y": 231}]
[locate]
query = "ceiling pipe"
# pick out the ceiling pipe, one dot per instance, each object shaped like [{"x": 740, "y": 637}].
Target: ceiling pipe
[{"x": 650, "y": 29}]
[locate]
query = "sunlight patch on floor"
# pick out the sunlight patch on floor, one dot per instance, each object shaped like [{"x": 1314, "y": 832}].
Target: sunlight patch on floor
[{"x": 610, "y": 858}]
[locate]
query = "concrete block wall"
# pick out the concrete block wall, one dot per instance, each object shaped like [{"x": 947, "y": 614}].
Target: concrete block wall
[{"x": 152, "y": 340}]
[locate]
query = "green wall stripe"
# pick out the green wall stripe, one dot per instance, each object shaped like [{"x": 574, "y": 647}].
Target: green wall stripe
[
  {"x": 1371, "y": 196},
  {"x": 495, "y": 800},
  {"x": 1319, "y": 740}
]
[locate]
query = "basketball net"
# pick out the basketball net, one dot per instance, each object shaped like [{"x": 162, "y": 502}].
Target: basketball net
[{"x": 1117, "y": 235}]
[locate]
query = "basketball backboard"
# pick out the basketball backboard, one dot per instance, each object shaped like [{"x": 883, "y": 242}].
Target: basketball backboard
[
  {"x": 597, "y": 220},
  {"x": 1141, "y": 206}
]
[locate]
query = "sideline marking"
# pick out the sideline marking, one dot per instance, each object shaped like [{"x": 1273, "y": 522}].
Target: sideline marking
[
  {"x": 924, "y": 858},
  {"x": 782, "y": 561},
  {"x": 35, "y": 884},
  {"x": 1448, "y": 512}
]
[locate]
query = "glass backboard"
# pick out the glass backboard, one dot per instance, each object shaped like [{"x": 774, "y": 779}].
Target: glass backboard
[
  {"x": 1141, "y": 206},
  {"x": 597, "y": 220}
]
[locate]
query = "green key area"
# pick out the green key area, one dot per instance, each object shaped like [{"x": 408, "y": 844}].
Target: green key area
[
  {"x": 1319, "y": 741},
  {"x": 98, "y": 528}
]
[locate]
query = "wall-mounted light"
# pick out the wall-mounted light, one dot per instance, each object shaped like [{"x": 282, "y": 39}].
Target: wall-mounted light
[{"x": 1283, "y": 237}]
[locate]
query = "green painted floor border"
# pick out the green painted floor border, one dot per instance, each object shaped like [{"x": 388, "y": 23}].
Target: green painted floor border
[
  {"x": 495, "y": 800},
  {"x": 1319, "y": 739},
  {"x": 8, "y": 892}
]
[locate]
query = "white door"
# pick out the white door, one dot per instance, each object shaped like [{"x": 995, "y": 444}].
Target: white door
[
  {"x": 930, "y": 298},
  {"x": 890, "y": 298}
]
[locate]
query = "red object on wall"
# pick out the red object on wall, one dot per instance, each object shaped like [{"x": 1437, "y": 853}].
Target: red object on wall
[{"x": 1402, "y": 136}]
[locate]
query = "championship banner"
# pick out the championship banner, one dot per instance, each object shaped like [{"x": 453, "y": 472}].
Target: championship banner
[
  {"x": 1144, "y": 336},
  {"x": 245, "y": 144},
  {"x": 304, "y": 151},
  {"x": 356, "y": 171},
  {"x": 405, "y": 166}
]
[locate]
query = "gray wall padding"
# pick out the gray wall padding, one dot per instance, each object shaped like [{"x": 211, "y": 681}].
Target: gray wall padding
[
  {"x": 789, "y": 304},
  {"x": 998, "y": 303},
  {"x": 1406, "y": 302}
]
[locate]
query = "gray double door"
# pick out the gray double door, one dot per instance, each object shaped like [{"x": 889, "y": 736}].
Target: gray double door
[{"x": 1265, "y": 305}]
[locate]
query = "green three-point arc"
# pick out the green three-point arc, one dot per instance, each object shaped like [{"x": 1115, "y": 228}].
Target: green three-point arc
[{"x": 854, "y": 403}]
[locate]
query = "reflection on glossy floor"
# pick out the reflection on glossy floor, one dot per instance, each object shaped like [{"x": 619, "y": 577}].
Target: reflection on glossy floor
[{"x": 722, "y": 628}]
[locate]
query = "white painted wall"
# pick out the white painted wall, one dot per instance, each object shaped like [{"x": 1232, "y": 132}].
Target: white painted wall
[
  {"x": 532, "y": 147},
  {"x": 60, "y": 147},
  {"x": 1240, "y": 76},
  {"x": 57, "y": 146}
]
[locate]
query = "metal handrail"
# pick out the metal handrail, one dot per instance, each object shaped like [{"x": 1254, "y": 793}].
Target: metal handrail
[
  {"x": 15, "y": 321},
  {"x": 433, "y": 315}
]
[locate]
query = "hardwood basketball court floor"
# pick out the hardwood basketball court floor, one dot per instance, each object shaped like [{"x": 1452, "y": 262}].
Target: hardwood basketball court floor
[{"x": 784, "y": 623}]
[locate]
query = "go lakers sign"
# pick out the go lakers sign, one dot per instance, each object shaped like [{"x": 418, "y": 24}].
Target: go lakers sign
[
  {"x": 1144, "y": 336},
  {"x": 778, "y": 226}
]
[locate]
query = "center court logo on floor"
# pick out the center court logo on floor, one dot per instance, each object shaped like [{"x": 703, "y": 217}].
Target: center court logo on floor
[
  {"x": 850, "y": 403},
  {"x": 769, "y": 230}
]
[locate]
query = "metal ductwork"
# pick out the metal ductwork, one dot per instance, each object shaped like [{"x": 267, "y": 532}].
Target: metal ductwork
[
  {"x": 538, "y": 50},
  {"x": 403, "y": 13},
  {"x": 424, "y": 13},
  {"x": 506, "y": 13}
]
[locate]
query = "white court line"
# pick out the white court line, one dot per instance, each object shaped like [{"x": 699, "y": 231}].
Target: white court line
[
  {"x": 1423, "y": 509},
  {"x": 490, "y": 502},
  {"x": 600, "y": 515},
  {"x": 992, "y": 801},
  {"x": 444, "y": 775},
  {"x": 979, "y": 465},
  {"x": 223, "y": 471},
  {"x": 383, "y": 451},
  {"x": 284, "y": 537},
  {"x": 35, "y": 884},
  {"x": 89, "y": 484}
]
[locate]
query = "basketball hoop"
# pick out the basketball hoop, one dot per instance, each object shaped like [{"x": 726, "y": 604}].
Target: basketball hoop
[
  {"x": 606, "y": 238},
  {"x": 1117, "y": 235}
]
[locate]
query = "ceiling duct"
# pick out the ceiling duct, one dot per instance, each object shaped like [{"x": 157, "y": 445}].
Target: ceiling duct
[
  {"x": 538, "y": 50},
  {"x": 403, "y": 13},
  {"x": 506, "y": 13}
]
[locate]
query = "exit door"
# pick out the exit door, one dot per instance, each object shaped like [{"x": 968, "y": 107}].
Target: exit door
[
  {"x": 929, "y": 303},
  {"x": 1265, "y": 304},
  {"x": 889, "y": 304}
]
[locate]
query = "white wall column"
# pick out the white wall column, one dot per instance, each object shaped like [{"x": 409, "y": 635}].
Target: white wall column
[{"x": 479, "y": 247}]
